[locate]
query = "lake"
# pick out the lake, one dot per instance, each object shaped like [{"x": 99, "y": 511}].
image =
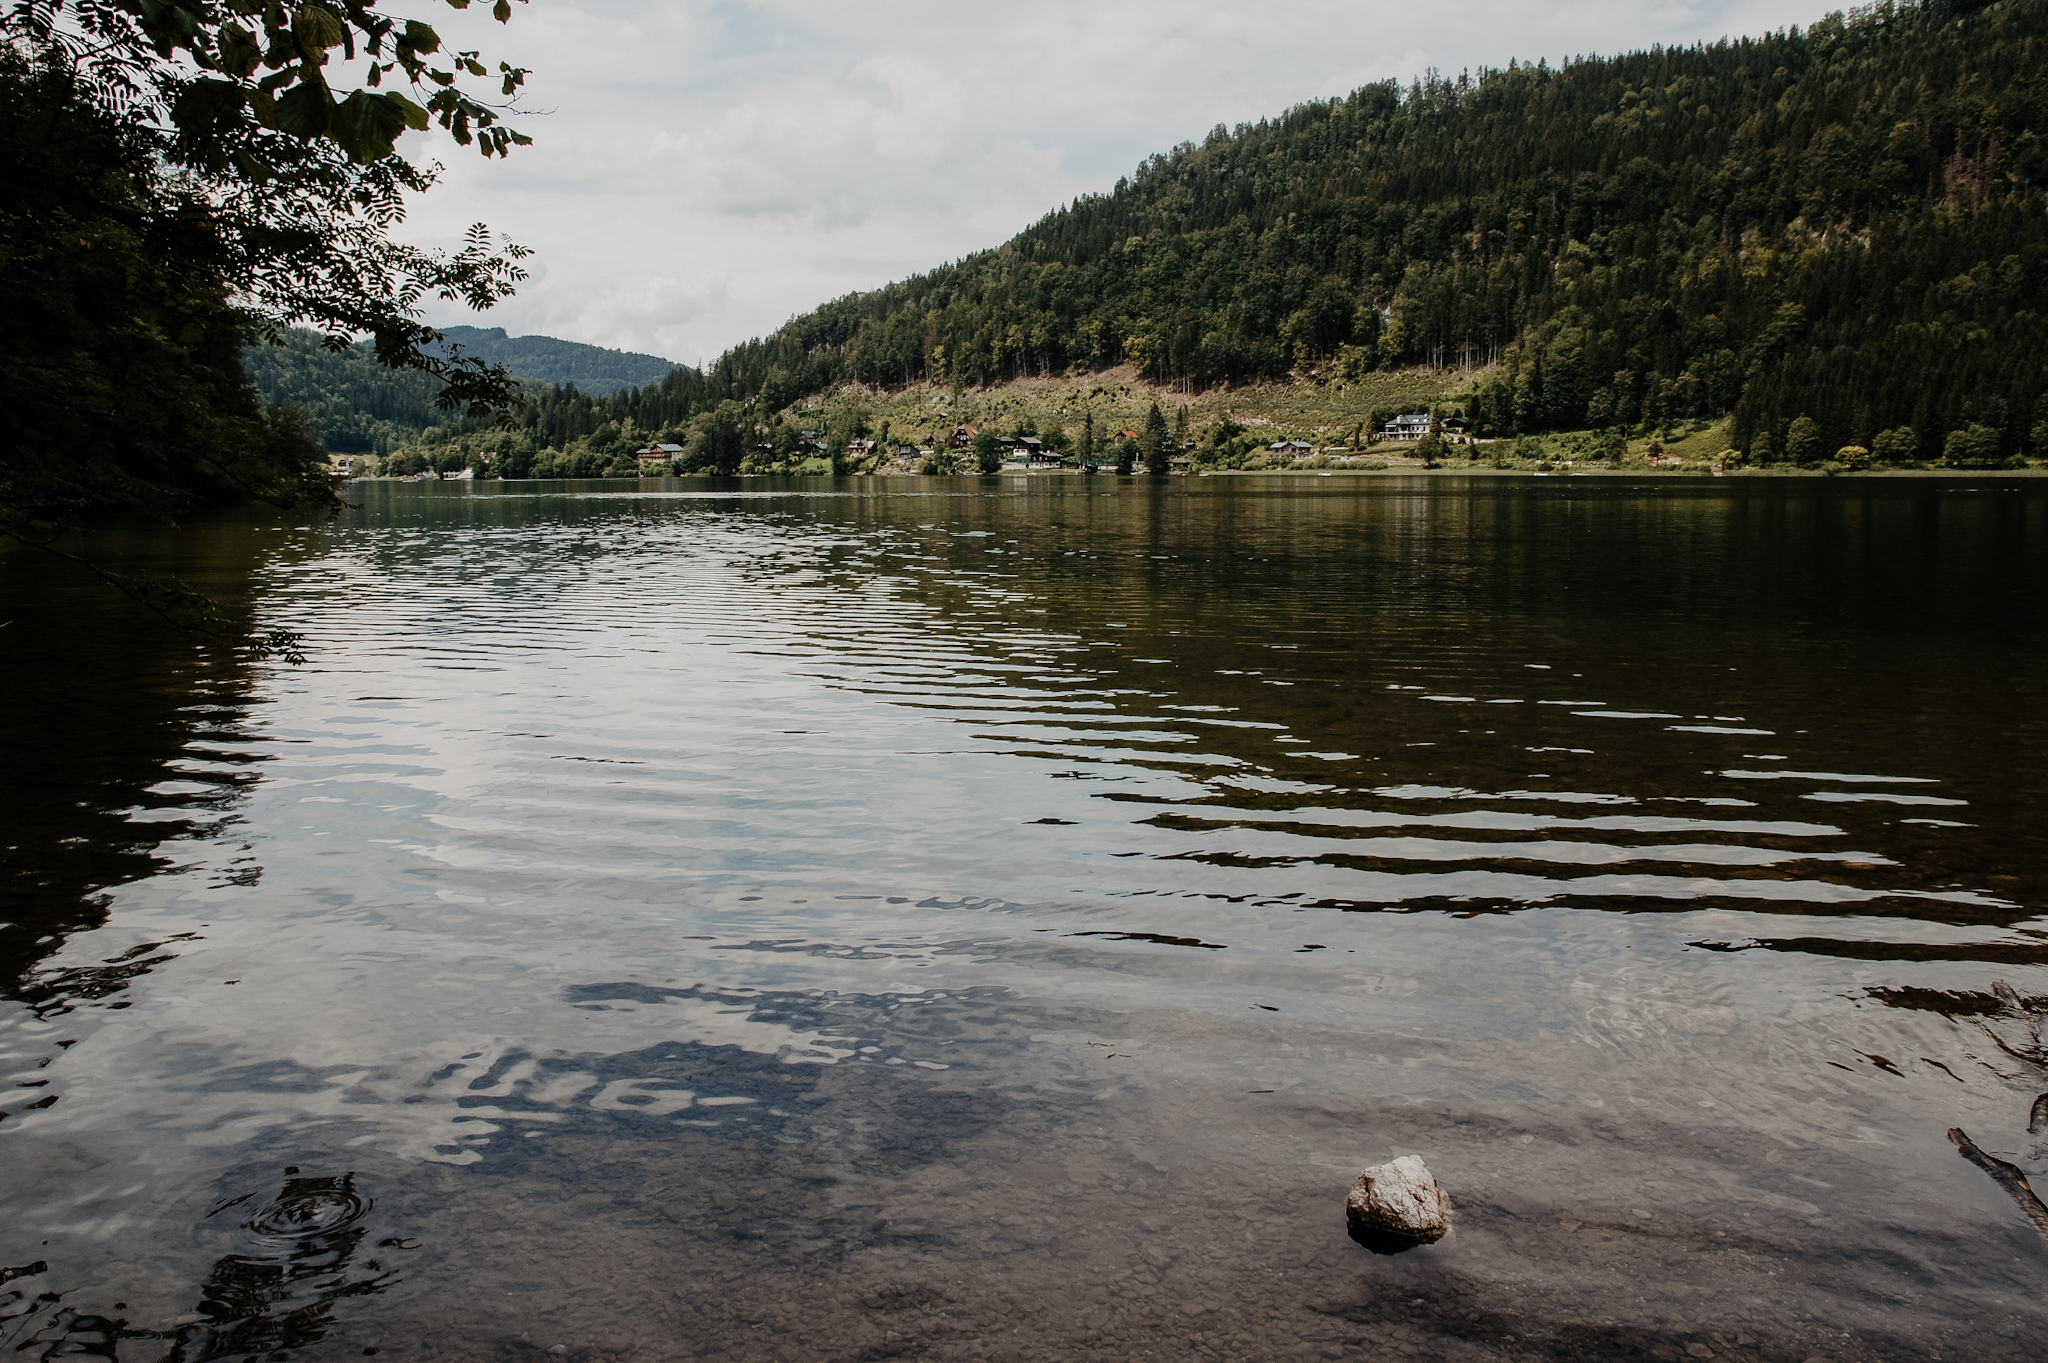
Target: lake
[{"x": 998, "y": 918}]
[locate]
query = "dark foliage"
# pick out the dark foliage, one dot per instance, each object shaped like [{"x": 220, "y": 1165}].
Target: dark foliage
[
  {"x": 302, "y": 182},
  {"x": 119, "y": 353},
  {"x": 179, "y": 176}
]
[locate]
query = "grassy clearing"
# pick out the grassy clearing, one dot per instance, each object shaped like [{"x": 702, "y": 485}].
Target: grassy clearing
[
  {"x": 1118, "y": 399},
  {"x": 1325, "y": 413}
]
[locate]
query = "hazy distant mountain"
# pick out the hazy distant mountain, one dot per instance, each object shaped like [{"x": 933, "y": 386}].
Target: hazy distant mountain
[
  {"x": 591, "y": 368},
  {"x": 358, "y": 406}
]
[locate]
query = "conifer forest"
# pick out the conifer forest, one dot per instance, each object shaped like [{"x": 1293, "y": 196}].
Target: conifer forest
[{"x": 1845, "y": 223}]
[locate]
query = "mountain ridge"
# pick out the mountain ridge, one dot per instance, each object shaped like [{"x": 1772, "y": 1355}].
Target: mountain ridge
[
  {"x": 599, "y": 370},
  {"x": 1836, "y": 236},
  {"x": 357, "y": 406}
]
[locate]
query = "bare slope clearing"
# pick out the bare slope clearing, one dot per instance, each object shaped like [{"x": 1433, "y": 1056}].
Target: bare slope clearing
[{"x": 1323, "y": 412}]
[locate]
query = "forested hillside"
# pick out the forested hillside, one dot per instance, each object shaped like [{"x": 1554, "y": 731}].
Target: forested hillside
[
  {"x": 354, "y": 404},
  {"x": 591, "y": 368},
  {"x": 1845, "y": 223},
  {"x": 359, "y": 406}
]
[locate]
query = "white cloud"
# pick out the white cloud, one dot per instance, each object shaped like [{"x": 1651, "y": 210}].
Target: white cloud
[{"x": 704, "y": 170}]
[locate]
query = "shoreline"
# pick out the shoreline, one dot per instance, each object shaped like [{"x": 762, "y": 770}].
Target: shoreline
[{"x": 1405, "y": 471}]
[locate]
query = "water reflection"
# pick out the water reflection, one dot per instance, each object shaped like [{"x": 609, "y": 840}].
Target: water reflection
[
  {"x": 127, "y": 735},
  {"x": 280, "y": 1291},
  {"x": 1032, "y": 901},
  {"x": 275, "y": 1293}
]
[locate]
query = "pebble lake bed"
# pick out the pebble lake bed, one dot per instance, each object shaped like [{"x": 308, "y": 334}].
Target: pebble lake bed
[{"x": 1000, "y": 918}]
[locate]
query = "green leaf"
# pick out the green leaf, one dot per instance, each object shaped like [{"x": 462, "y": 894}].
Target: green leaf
[
  {"x": 304, "y": 111},
  {"x": 502, "y": 11},
  {"x": 366, "y": 126},
  {"x": 415, "y": 116},
  {"x": 237, "y": 51},
  {"x": 421, "y": 37},
  {"x": 316, "y": 30}
]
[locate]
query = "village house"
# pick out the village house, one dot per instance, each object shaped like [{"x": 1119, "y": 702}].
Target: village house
[
  {"x": 1293, "y": 449},
  {"x": 860, "y": 449},
  {"x": 963, "y": 436},
  {"x": 657, "y": 454},
  {"x": 1412, "y": 427}
]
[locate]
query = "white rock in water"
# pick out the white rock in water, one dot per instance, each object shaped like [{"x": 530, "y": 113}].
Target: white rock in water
[{"x": 1397, "y": 1206}]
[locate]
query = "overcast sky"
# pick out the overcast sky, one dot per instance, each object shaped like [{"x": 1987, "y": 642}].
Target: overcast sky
[{"x": 704, "y": 169}]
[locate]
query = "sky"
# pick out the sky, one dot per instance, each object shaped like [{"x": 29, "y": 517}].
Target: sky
[{"x": 703, "y": 170}]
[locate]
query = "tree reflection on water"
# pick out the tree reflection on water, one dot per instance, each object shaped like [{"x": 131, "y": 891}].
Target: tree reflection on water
[{"x": 276, "y": 1293}]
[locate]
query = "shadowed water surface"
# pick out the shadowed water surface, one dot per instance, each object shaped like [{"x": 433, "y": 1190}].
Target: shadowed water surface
[{"x": 998, "y": 918}]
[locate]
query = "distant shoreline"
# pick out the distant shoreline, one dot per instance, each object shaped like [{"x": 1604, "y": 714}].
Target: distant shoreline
[{"x": 1412, "y": 471}]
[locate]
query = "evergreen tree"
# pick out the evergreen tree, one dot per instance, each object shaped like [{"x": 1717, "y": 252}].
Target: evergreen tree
[
  {"x": 1156, "y": 442},
  {"x": 988, "y": 453}
]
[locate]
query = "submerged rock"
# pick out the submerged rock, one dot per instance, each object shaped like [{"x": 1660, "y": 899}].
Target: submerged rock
[{"x": 1397, "y": 1206}]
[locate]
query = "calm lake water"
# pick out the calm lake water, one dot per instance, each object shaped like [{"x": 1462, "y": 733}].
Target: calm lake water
[{"x": 998, "y": 918}]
